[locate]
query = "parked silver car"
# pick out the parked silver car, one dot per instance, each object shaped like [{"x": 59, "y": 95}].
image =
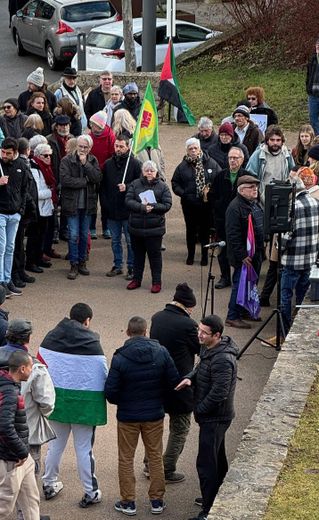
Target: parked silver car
[{"x": 50, "y": 27}]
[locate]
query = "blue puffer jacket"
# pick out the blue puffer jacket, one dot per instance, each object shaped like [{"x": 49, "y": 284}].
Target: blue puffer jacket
[{"x": 140, "y": 373}]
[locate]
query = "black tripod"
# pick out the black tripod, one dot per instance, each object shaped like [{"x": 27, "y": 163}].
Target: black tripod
[
  {"x": 280, "y": 330},
  {"x": 211, "y": 278}
]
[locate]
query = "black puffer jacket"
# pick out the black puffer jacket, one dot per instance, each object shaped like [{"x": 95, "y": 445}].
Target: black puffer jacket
[
  {"x": 13, "y": 126},
  {"x": 206, "y": 142},
  {"x": 74, "y": 177},
  {"x": 111, "y": 198},
  {"x": 14, "y": 431},
  {"x": 184, "y": 180},
  {"x": 151, "y": 224},
  {"x": 214, "y": 381},
  {"x": 237, "y": 227},
  {"x": 312, "y": 71},
  {"x": 219, "y": 151},
  {"x": 141, "y": 371},
  {"x": 13, "y": 194},
  {"x": 177, "y": 331}
]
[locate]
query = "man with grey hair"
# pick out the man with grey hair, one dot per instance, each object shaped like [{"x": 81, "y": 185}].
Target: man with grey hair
[
  {"x": 80, "y": 175},
  {"x": 206, "y": 133},
  {"x": 224, "y": 190},
  {"x": 237, "y": 214}
]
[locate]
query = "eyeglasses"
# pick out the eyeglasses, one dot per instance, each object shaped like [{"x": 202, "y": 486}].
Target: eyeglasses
[
  {"x": 45, "y": 155},
  {"x": 234, "y": 158},
  {"x": 252, "y": 97},
  {"x": 7, "y": 107},
  {"x": 106, "y": 79}
]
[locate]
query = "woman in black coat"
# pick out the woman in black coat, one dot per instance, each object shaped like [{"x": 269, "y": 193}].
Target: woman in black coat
[
  {"x": 191, "y": 182},
  {"x": 148, "y": 199},
  {"x": 38, "y": 105}
]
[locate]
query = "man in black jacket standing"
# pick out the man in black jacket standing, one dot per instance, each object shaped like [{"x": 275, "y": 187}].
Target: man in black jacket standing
[
  {"x": 214, "y": 380},
  {"x": 112, "y": 196},
  {"x": 237, "y": 215},
  {"x": 17, "y": 479},
  {"x": 141, "y": 371},
  {"x": 13, "y": 190},
  {"x": 174, "y": 328},
  {"x": 99, "y": 96}
]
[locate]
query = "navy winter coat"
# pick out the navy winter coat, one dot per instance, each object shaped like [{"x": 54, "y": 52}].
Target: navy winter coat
[{"x": 140, "y": 373}]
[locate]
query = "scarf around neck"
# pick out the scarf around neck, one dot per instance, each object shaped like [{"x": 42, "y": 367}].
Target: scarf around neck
[{"x": 197, "y": 164}]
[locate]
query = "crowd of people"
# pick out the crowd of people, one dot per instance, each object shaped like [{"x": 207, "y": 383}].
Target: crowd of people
[
  {"x": 63, "y": 152},
  {"x": 148, "y": 377}
]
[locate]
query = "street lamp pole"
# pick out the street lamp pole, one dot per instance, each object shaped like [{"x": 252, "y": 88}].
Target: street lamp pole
[{"x": 149, "y": 36}]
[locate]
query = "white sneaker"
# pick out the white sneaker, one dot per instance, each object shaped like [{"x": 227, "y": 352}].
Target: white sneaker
[{"x": 52, "y": 490}]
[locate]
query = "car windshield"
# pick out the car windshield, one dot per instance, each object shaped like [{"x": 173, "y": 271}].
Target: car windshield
[
  {"x": 105, "y": 41},
  {"x": 87, "y": 11}
]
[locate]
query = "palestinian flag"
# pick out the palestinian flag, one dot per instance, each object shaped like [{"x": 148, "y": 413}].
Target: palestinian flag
[
  {"x": 146, "y": 130},
  {"x": 169, "y": 88},
  {"x": 78, "y": 369}
]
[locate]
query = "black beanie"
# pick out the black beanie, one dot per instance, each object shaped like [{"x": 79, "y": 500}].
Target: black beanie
[
  {"x": 13, "y": 102},
  {"x": 184, "y": 295},
  {"x": 314, "y": 152}
]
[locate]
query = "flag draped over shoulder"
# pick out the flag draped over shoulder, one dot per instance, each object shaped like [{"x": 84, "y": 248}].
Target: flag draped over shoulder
[
  {"x": 78, "y": 368},
  {"x": 247, "y": 295},
  {"x": 146, "y": 130},
  {"x": 169, "y": 88}
]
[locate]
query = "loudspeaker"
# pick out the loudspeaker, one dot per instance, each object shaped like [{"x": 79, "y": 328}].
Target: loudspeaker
[{"x": 277, "y": 216}]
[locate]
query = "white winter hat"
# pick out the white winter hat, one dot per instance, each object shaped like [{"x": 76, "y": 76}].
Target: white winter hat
[{"x": 36, "y": 77}]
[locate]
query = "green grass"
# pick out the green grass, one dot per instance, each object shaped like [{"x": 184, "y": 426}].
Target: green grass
[
  {"x": 214, "y": 89},
  {"x": 297, "y": 491}
]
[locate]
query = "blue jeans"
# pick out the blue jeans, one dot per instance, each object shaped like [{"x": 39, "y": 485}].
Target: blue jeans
[
  {"x": 234, "y": 310},
  {"x": 313, "y": 107},
  {"x": 78, "y": 226},
  {"x": 292, "y": 280},
  {"x": 117, "y": 227},
  {"x": 8, "y": 230}
]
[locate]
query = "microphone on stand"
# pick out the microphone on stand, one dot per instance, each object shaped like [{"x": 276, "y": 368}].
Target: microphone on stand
[{"x": 215, "y": 244}]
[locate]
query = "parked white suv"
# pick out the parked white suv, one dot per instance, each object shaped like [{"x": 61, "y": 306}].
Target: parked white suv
[
  {"x": 105, "y": 44},
  {"x": 50, "y": 27}
]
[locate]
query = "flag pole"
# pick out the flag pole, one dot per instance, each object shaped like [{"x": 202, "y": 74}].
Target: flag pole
[{"x": 126, "y": 166}]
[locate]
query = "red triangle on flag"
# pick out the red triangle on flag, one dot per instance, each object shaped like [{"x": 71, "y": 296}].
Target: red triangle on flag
[{"x": 167, "y": 68}]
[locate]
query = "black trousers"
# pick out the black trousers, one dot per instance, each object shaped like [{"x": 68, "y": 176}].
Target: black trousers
[
  {"x": 19, "y": 254},
  {"x": 211, "y": 463},
  {"x": 198, "y": 220},
  {"x": 152, "y": 247},
  {"x": 35, "y": 243}
]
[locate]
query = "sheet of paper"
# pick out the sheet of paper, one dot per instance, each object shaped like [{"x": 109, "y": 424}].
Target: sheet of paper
[{"x": 147, "y": 197}]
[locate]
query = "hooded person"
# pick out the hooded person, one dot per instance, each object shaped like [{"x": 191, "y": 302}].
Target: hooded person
[
  {"x": 36, "y": 83},
  {"x": 175, "y": 329},
  {"x": 131, "y": 101},
  {"x": 12, "y": 122},
  {"x": 227, "y": 138}
]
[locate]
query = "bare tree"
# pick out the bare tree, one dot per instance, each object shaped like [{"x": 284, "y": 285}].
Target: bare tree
[{"x": 130, "y": 58}]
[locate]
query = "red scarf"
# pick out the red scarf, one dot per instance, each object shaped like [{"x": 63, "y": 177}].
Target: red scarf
[{"x": 49, "y": 178}]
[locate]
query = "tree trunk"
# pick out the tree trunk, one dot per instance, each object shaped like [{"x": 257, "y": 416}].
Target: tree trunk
[{"x": 130, "y": 59}]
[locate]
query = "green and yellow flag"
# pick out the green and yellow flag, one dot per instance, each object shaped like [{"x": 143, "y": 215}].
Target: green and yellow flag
[{"x": 146, "y": 130}]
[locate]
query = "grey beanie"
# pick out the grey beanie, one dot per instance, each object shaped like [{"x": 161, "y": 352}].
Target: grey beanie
[
  {"x": 36, "y": 77},
  {"x": 20, "y": 327}
]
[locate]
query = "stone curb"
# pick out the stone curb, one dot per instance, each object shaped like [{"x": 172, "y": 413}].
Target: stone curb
[{"x": 260, "y": 456}]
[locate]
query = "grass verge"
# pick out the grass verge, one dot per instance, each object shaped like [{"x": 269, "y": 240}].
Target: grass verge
[
  {"x": 295, "y": 496},
  {"x": 214, "y": 89}
]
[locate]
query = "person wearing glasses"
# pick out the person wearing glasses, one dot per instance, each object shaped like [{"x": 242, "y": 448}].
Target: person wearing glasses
[
  {"x": 214, "y": 382},
  {"x": 98, "y": 97},
  {"x": 43, "y": 175},
  {"x": 12, "y": 122},
  {"x": 80, "y": 176},
  {"x": 258, "y": 105},
  {"x": 223, "y": 191},
  {"x": 237, "y": 215}
]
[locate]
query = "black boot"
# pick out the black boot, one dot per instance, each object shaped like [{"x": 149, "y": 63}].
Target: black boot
[{"x": 73, "y": 273}]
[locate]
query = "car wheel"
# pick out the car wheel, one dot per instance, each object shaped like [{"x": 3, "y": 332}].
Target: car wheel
[
  {"x": 20, "y": 49},
  {"x": 51, "y": 57}
]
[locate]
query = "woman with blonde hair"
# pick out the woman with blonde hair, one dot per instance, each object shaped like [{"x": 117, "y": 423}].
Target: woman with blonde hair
[
  {"x": 33, "y": 126},
  {"x": 116, "y": 96},
  {"x": 124, "y": 123},
  {"x": 306, "y": 136},
  {"x": 258, "y": 105}
]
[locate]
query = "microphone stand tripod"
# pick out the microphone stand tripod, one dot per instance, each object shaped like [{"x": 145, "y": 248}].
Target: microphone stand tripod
[
  {"x": 280, "y": 330},
  {"x": 210, "y": 284}
]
